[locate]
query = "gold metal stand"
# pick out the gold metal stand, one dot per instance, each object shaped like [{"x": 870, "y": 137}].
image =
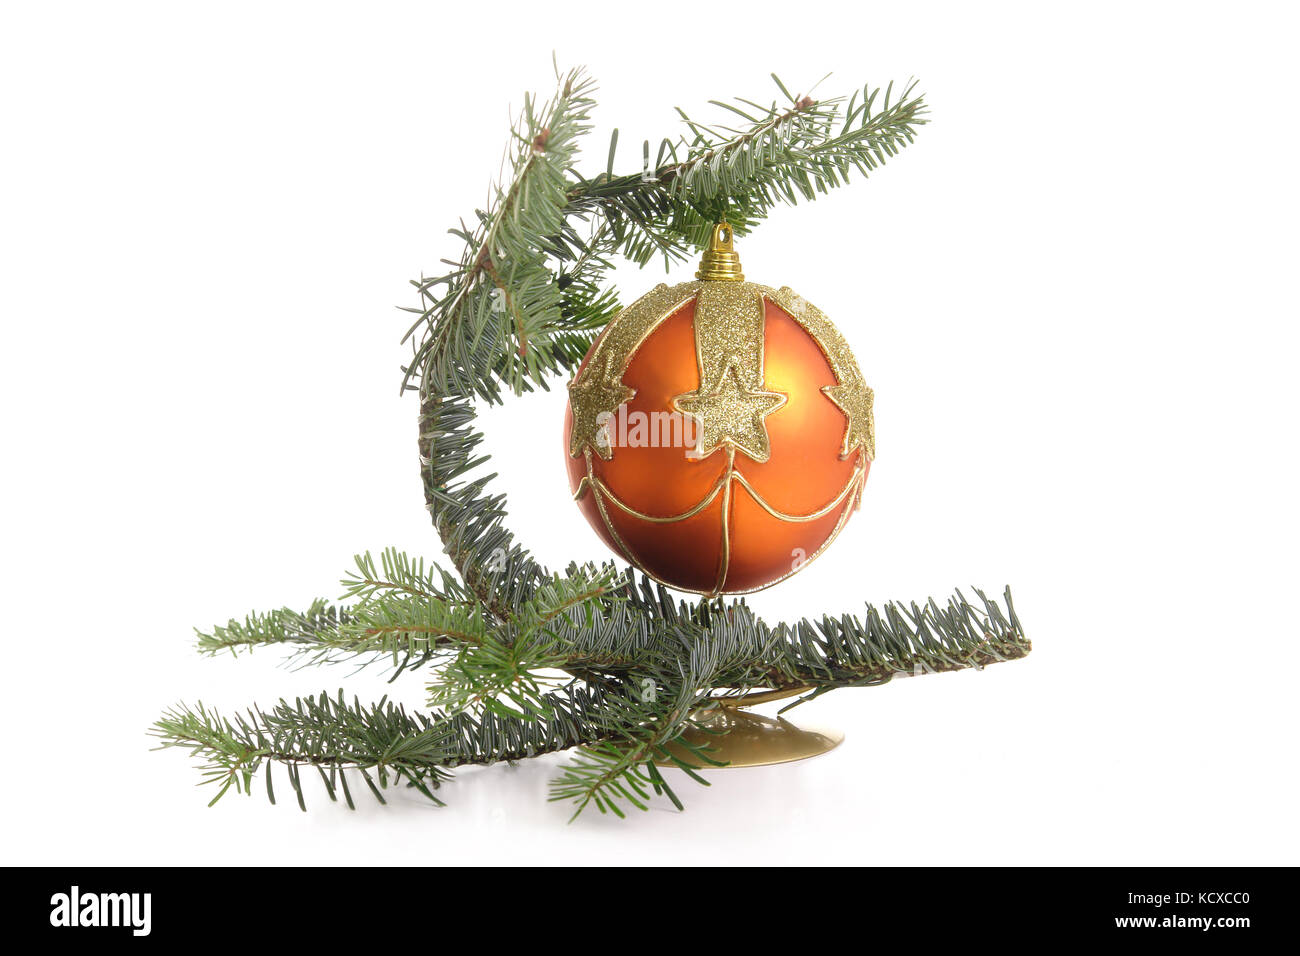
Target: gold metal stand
[{"x": 743, "y": 739}]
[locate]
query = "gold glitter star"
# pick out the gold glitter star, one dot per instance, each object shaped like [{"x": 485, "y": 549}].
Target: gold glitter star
[
  {"x": 595, "y": 395},
  {"x": 855, "y": 399},
  {"x": 731, "y": 414}
]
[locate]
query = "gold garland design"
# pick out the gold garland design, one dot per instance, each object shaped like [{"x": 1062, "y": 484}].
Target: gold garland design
[{"x": 852, "y": 491}]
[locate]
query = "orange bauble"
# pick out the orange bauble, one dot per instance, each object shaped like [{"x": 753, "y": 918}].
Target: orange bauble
[{"x": 719, "y": 432}]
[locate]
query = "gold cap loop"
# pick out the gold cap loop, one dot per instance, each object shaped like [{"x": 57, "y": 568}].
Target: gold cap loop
[{"x": 720, "y": 261}]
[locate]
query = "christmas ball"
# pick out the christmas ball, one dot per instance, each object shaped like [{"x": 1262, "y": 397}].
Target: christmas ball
[{"x": 719, "y": 433}]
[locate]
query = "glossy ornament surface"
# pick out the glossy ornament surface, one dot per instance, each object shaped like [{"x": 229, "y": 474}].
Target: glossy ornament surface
[{"x": 719, "y": 432}]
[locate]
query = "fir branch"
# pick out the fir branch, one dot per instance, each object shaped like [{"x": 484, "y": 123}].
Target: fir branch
[
  {"x": 282, "y": 627},
  {"x": 409, "y": 631},
  {"x": 783, "y": 154},
  {"x": 399, "y": 573},
  {"x": 793, "y": 152},
  {"x": 502, "y": 288},
  {"x": 383, "y": 744},
  {"x": 620, "y": 768},
  {"x": 325, "y": 732}
]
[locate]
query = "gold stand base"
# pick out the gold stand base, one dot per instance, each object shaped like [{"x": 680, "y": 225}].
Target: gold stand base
[{"x": 743, "y": 739}]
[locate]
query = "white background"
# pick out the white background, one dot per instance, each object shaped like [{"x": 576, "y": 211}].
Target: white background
[{"x": 1075, "y": 297}]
